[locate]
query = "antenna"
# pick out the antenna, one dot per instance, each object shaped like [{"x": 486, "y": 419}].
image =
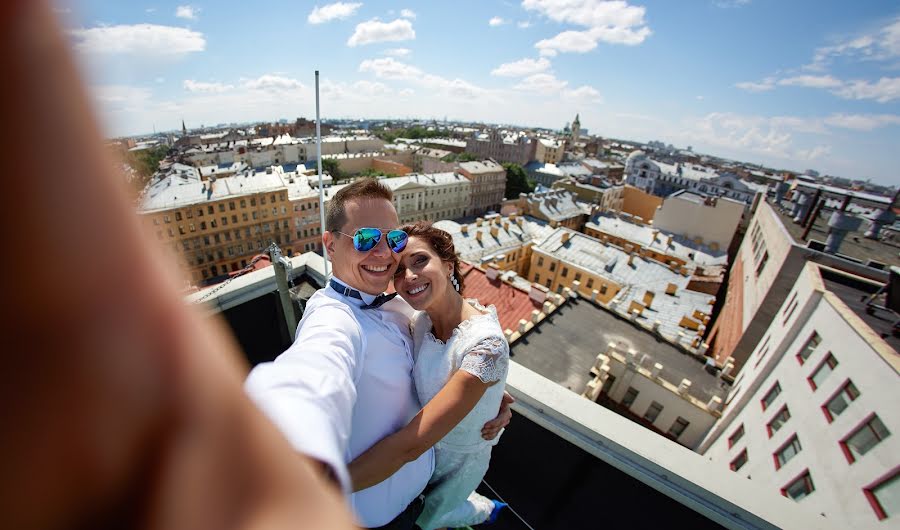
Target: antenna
[{"x": 319, "y": 164}]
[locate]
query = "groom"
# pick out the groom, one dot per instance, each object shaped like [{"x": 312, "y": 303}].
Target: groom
[{"x": 346, "y": 381}]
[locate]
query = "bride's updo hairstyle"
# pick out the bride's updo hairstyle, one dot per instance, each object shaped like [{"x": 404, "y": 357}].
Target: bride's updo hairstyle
[{"x": 440, "y": 241}]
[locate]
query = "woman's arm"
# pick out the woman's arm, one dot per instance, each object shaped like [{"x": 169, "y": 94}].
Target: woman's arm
[{"x": 431, "y": 424}]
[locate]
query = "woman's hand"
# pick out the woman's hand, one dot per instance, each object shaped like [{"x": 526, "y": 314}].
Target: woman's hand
[{"x": 492, "y": 428}]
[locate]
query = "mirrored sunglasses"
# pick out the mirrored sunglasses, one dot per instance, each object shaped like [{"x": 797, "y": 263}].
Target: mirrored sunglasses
[{"x": 365, "y": 239}]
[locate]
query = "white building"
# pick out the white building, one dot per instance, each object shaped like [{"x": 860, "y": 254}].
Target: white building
[
  {"x": 668, "y": 407},
  {"x": 430, "y": 197},
  {"x": 709, "y": 221},
  {"x": 812, "y": 412},
  {"x": 549, "y": 150},
  {"x": 664, "y": 179}
]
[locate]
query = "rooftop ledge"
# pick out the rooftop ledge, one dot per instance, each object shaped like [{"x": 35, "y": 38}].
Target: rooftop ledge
[{"x": 685, "y": 476}]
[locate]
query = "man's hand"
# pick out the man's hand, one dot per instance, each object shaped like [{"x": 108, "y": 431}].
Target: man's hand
[{"x": 492, "y": 428}]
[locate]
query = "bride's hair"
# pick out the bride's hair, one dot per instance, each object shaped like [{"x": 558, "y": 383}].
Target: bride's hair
[{"x": 440, "y": 241}]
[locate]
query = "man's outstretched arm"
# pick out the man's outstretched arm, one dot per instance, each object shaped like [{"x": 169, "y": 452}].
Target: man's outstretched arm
[{"x": 122, "y": 407}]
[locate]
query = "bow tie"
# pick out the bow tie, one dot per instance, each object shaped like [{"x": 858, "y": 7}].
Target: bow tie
[{"x": 353, "y": 293}]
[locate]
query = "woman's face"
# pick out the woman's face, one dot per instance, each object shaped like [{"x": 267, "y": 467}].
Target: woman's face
[{"x": 422, "y": 278}]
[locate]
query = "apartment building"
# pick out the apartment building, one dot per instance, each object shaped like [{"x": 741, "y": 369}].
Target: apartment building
[
  {"x": 663, "y": 179},
  {"x": 811, "y": 414},
  {"x": 558, "y": 207},
  {"x": 764, "y": 270},
  {"x": 502, "y": 146},
  {"x": 549, "y": 150},
  {"x": 215, "y": 227},
  {"x": 650, "y": 294},
  {"x": 488, "y": 185},
  {"x": 502, "y": 241},
  {"x": 430, "y": 197},
  {"x": 710, "y": 221},
  {"x": 276, "y": 150}
]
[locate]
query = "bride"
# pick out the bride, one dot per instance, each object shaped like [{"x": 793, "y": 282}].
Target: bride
[{"x": 460, "y": 371}]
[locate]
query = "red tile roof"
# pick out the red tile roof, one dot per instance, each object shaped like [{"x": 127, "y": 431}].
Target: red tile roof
[{"x": 512, "y": 304}]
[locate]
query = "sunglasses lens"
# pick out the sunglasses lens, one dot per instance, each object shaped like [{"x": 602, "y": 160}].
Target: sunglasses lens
[
  {"x": 397, "y": 240},
  {"x": 365, "y": 239}
]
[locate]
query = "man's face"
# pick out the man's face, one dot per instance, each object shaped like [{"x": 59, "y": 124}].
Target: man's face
[{"x": 368, "y": 272}]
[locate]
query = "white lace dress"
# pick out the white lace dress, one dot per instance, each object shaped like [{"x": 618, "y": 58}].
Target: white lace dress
[{"x": 477, "y": 346}]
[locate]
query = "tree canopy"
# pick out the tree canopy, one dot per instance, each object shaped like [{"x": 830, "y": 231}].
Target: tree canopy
[{"x": 517, "y": 181}]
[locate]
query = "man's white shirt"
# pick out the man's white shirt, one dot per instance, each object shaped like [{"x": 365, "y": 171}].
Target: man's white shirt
[{"x": 343, "y": 385}]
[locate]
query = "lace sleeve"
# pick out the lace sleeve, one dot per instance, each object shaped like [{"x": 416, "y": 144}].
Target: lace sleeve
[{"x": 488, "y": 360}]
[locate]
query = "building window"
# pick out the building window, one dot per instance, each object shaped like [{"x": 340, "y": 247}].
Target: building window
[
  {"x": 840, "y": 401},
  {"x": 553, "y": 266},
  {"x": 630, "y": 395},
  {"x": 735, "y": 436},
  {"x": 603, "y": 288},
  {"x": 653, "y": 412},
  {"x": 809, "y": 347},
  {"x": 822, "y": 372},
  {"x": 221, "y": 207},
  {"x": 739, "y": 462},
  {"x": 678, "y": 427},
  {"x": 537, "y": 278},
  {"x": 548, "y": 283},
  {"x": 762, "y": 263},
  {"x": 577, "y": 276},
  {"x": 884, "y": 496},
  {"x": 565, "y": 272},
  {"x": 864, "y": 438},
  {"x": 590, "y": 283},
  {"x": 787, "y": 451},
  {"x": 771, "y": 395},
  {"x": 799, "y": 487},
  {"x": 778, "y": 421}
]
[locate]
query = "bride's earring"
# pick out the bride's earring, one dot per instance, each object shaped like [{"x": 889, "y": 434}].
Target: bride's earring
[{"x": 454, "y": 282}]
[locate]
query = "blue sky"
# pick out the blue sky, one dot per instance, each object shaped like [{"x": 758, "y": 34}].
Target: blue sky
[{"x": 794, "y": 85}]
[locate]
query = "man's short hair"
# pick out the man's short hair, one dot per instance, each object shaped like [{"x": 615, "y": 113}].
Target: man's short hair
[{"x": 366, "y": 188}]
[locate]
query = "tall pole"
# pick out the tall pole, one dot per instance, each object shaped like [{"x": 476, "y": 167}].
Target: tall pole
[{"x": 319, "y": 164}]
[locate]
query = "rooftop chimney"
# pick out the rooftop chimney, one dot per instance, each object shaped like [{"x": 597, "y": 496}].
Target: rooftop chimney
[
  {"x": 684, "y": 387},
  {"x": 478, "y": 236},
  {"x": 478, "y": 221},
  {"x": 494, "y": 231},
  {"x": 565, "y": 238},
  {"x": 492, "y": 272},
  {"x": 464, "y": 229}
]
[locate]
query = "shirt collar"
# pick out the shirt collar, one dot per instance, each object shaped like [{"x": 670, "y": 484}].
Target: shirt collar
[{"x": 366, "y": 297}]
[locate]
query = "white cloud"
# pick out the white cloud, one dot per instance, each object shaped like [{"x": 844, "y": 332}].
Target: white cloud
[
  {"x": 397, "y": 52},
  {"x": 407, "y": 92},
  {"x": 523, "y": 24},
  {"x": 613, "y": 22},
  {"x": 542, "y": 84},
  {"x": 377, "y": 31},
  {"x": 408, "y": 13},
  {"x": 119, "y": 95},
  {"x": 878, "y": 45},
  {"x": 359, "y": 91},
  {"x": 567, "y": 41},
  {"x": 754, "y": 86},
  {"x": 496, "y": 21},
  {"x": 391, "y": 69},
  {"x": 138, "y": 39},
  {"x": 188, "y": 12},
  {"x": 862, "y": 122},
  {"x": 727, "y": 4},
  {"x": 811, "y": 81},
  {"x": 150, "y": 10},
  {"x": 199, "y": 86},
  {"x": 335, "y": 11},
  {"x": 388, "y": 68},
  {"x": 521, "y": 67},
  {"x": 585, "y": 93},
  {"x": 272, "y": 83},
  {"x": 884, "y": 90}
]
